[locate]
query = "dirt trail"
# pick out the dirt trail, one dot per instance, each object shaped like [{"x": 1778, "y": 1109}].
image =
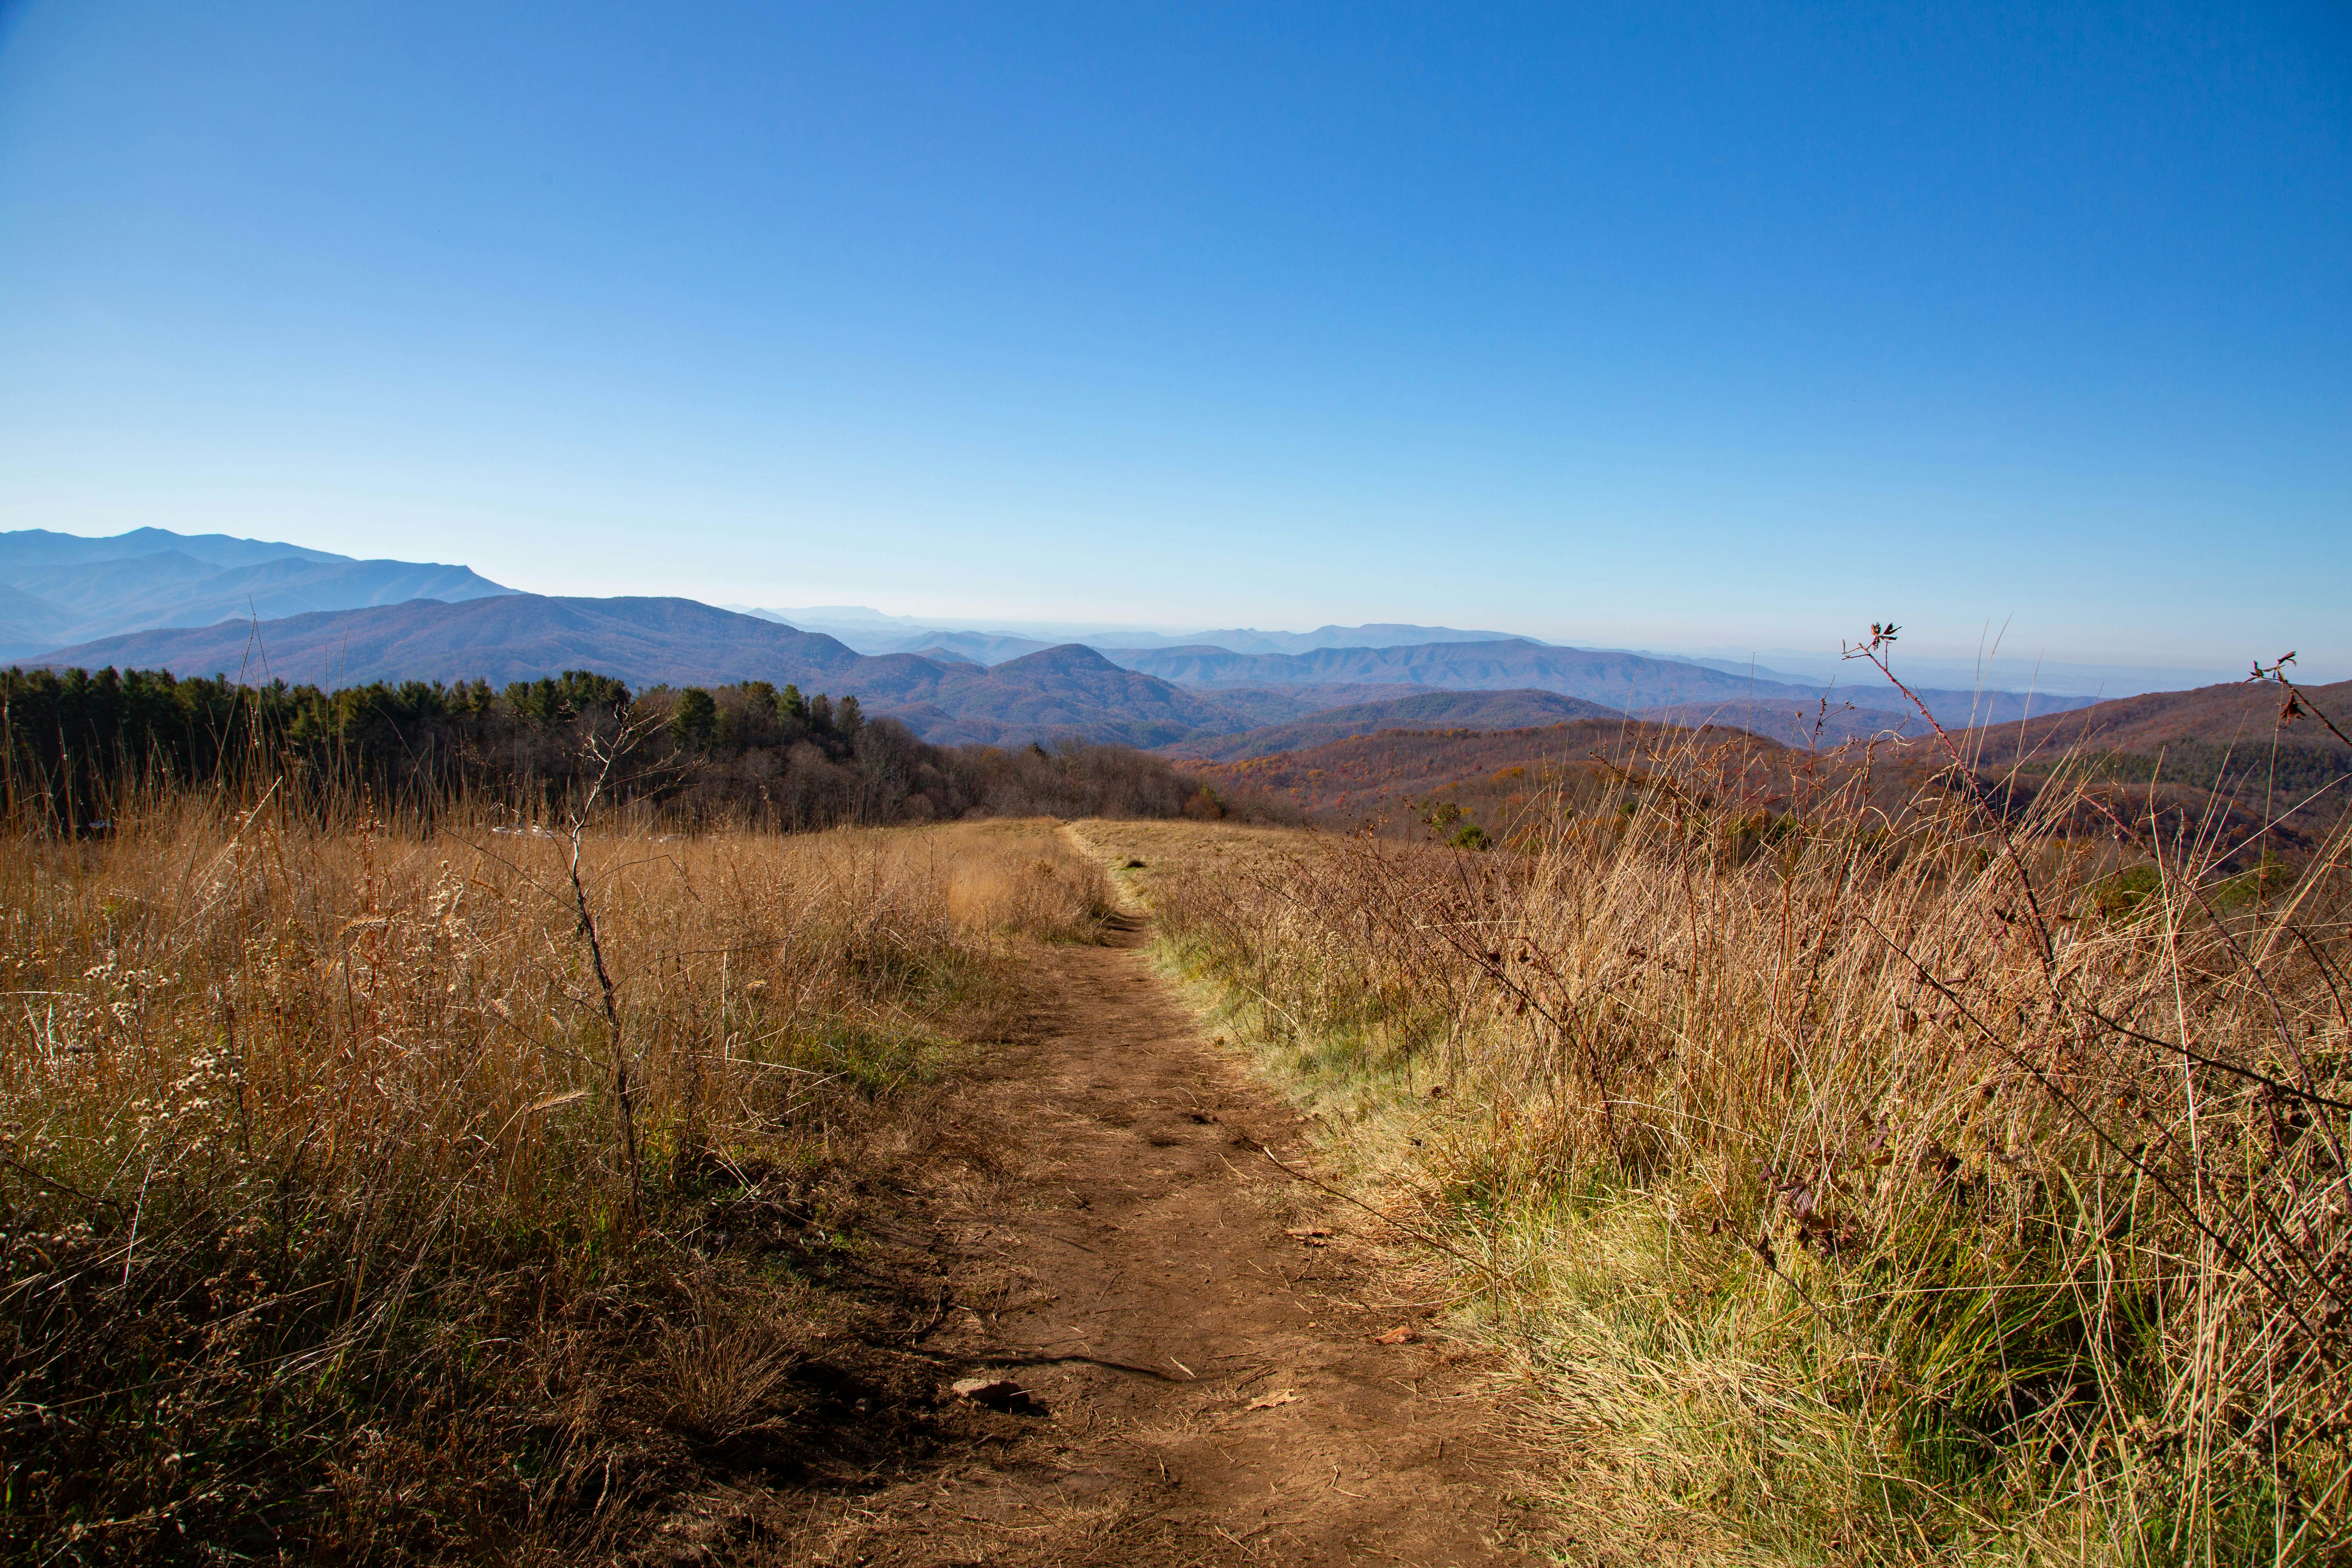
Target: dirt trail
[{"x": 1210, "y": 1385}]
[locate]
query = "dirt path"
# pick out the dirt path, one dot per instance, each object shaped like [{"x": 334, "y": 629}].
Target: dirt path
[{"x": 1211, "y": 1387}]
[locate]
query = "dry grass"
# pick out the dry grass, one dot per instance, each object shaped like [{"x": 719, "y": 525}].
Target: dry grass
[
  {"x": 1839, "y": 1181},
  {"x": 344, "y": 1220}
]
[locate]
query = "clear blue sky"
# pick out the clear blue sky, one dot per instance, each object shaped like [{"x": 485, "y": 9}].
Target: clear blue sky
[{"x": 1669, "y": 325}]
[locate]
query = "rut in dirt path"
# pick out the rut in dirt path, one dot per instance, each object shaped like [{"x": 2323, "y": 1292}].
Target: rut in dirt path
[{"x": 1203, "y": 1383}]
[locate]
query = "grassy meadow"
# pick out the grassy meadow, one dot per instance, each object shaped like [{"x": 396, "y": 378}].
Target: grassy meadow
[
  {"x": 376, "y": 1196},
  {"x": 1844, "y": 1186},
  {"x": 1840, "y": 1184}
]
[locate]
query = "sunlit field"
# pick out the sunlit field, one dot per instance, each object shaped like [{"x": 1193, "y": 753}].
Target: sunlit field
[
  {"x": 1858, "y": 1186},
  {"x": 373, "y": 1195}
]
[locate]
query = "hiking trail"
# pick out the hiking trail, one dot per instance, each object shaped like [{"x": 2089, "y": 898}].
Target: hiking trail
[{"x": 1210, "y": 1367}]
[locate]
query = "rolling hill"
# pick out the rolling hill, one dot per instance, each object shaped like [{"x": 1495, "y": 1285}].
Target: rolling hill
[
  {"x": 1070, "y": 690},
  {"x": 2238, "y": 714},
  {"x": 1254, "y": 707},
  {"x": 2211, "y": 764},
  {"x": 1389, "y": 781},
  {"x": 2234, "y": 714},
  {"x": 28, "y": 623},
  {"x": 1426, "y": 711},
  {"x": 1817, "y": 723},
  {"x": 518, "y": 637}
]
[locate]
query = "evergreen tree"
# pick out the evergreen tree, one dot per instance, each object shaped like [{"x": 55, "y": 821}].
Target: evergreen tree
[{"x": 694, "y": 718}]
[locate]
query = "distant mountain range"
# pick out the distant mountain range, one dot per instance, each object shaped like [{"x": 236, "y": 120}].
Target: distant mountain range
[
  {"x": 872, "y": 632},
  {"x": 1625, "y": 682},
  {"x": 61, "y": 589},
  {"x": 1070, "y": 690},
  {"x": 212, "y": 603},
  {"x": 1362, "y": 724},
  {"x": 1994, "y": 669}
]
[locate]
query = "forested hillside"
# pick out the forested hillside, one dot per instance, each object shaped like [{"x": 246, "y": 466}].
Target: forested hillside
[
  {"x": 83, "y": 748},
  {"x": 1420, "y": 710}
]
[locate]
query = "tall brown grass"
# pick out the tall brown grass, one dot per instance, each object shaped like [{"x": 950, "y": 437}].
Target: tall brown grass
[
  {"x": 343, "y": 1219},
  {"x": 1943, "y": 1183}
]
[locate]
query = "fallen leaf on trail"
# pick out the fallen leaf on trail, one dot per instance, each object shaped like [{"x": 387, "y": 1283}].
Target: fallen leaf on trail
[
  {"x": 1403, "y": 1334},
  {"x": 1268, "y": 1401}
]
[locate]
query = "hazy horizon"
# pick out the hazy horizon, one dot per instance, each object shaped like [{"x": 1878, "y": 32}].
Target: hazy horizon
[{"x": 1991, "y": 664}]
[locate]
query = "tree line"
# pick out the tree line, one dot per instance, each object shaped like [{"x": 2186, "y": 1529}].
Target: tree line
[{"x": 82, "y": 747}]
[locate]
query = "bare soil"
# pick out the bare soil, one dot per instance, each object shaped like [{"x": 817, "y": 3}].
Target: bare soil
[{"x": 1194, "y": 1339}]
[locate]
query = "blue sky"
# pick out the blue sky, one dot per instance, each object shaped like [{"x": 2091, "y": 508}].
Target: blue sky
[{"x": 1666, "y": 325}]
